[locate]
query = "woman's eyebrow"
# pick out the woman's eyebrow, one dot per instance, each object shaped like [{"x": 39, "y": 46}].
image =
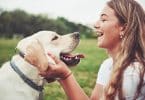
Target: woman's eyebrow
[{"x": 104, "y": 15}]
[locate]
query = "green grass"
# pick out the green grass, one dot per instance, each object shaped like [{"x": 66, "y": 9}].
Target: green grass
[
  {"x": 85, "y": 72},
  {"x": 7, "y": 49}
]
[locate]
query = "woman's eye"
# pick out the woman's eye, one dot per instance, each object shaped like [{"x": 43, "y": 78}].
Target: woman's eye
[
  {"x": 103, "y": 20},
  {"x": 54, "y": 38}
]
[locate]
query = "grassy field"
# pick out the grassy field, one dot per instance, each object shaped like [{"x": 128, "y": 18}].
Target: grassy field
[{"x": 85, "y": 72}]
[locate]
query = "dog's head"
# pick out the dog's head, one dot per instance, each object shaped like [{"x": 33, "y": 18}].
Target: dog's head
[{"x": 59, "y": 45}]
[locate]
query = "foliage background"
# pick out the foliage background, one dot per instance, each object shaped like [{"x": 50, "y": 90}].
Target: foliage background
[{"x": 19, "y": 23}]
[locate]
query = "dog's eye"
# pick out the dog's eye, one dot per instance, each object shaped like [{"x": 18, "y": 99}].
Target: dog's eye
[{"x": 54, "y": 38}]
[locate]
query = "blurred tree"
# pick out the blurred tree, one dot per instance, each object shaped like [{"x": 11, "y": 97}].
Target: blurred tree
[{"x": 19, "y": 22}]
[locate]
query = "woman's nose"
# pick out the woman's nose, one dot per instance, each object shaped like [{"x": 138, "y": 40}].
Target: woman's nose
[{"x": 97, "y": 25}]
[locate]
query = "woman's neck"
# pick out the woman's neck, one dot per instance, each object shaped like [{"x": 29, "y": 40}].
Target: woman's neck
[{"x": 113, "y": 52}]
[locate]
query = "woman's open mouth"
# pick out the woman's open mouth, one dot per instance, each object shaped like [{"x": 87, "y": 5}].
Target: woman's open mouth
[
  {"x": 71, "y": 59},
  {"x": 99, "y": 34}
]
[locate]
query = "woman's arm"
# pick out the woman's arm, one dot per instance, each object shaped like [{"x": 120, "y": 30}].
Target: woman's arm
[
  {"x": 73, "y": 89},
  {"x": 97, "y": 92}
]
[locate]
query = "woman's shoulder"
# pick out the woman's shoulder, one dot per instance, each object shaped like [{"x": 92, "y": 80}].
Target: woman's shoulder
[
  {"x": 108, "y": 61},
  {"x": 106, "y": 64},
  {"x": 134, "y": 68}
]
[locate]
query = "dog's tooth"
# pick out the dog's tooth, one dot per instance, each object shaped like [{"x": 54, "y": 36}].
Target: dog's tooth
[
  {"x": 77, "y": 57},
  {"x": 68, "y": 58}
]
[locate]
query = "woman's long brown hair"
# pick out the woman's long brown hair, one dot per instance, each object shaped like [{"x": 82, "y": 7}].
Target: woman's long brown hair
[{"x": 132, "y": 15}]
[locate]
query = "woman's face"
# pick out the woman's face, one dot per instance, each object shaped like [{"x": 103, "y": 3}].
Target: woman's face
[{"x": 108, "y": 29}]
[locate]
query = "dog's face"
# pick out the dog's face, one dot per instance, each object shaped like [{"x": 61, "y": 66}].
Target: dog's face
[{"x": 58, "y": 45}]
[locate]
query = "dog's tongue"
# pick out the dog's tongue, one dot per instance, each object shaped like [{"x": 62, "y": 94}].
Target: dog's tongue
[
  {"x": 76, "y": 56},
  {"x": 71, "y": 60}
]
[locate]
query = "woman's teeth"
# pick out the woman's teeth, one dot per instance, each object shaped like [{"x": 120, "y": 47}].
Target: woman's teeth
[{"x": 99, "y": 34}]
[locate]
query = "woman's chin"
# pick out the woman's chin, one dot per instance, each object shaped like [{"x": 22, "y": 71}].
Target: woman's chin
[{"x": 100, "y": 45}]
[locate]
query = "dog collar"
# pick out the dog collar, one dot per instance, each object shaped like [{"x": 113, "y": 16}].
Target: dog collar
[{"x": 25, "y": 78}]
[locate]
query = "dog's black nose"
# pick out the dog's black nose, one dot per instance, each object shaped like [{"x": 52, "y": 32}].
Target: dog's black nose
[{"x": 76, "y": 35}]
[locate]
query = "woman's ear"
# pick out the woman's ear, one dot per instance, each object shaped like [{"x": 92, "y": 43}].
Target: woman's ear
[
  {"x": 122, "y": 31},
  {"x": 123, "y": 27}
]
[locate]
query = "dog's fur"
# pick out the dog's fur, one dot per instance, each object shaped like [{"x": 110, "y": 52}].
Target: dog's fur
[{"x": 12, "y": 87}]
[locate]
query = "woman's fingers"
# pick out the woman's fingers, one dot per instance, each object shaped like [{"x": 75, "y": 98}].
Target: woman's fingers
[{"x": 43, "y": 73}]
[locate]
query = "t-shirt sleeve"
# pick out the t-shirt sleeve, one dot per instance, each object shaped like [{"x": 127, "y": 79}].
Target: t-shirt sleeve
[
  {"x": 104, "y": 72},
  {"x": 100, "y": 77}
]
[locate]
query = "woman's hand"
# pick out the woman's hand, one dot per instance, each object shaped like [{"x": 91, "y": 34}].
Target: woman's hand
[{"x": 59, "y": 70}]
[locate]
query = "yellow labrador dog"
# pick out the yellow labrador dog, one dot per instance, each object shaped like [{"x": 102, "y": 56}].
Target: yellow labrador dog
[{"x": 20, "y": 80}]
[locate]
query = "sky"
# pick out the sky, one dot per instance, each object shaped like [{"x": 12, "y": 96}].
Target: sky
[{"x": 80, "y": 11}]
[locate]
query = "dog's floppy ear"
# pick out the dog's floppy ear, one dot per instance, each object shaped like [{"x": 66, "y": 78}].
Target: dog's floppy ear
[{"x": 22, "y": 44}]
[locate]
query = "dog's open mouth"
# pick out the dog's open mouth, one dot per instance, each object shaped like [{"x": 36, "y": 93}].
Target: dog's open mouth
[{"x": 71, "y": 59}]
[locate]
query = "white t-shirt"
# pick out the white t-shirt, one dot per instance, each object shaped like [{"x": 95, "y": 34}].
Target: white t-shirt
[{"x": 130, "y": 81}]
